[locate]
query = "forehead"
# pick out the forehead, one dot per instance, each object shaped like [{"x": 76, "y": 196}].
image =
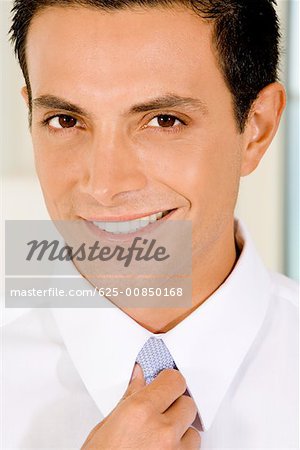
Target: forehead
[{"x": 77, "y": 49}]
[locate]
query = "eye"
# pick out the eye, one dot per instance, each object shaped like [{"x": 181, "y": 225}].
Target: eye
[
  {"x": 62, "y": 121},
  {"x": 165, "y": 121}
]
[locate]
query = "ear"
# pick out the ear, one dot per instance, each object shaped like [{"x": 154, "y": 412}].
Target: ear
[
  {"x": 24, "y": 93},
  {"x": 262, "y": 125}
]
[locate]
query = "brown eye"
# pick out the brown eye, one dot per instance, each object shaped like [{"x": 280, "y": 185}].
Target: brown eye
[
  {"x": 62, "y": 121},
  {"x": 67, "y": 121},
  {"x": 166, "y": 121}
]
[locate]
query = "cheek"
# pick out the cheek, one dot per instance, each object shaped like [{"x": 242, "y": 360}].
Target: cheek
[
  {"x": 56, "y": 163},
  {"x": 204, "y": 167}
]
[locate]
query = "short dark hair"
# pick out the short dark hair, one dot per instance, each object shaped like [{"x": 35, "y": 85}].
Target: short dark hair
[{"x": 246, "y": 38}]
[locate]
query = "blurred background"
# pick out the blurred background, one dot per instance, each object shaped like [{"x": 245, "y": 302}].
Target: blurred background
[{"x": 269, "y": 198}]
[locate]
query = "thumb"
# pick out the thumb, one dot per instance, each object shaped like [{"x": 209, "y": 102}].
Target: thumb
[
  {"x": 137, "y": 381},
  {"x": 137, "y": 375}
]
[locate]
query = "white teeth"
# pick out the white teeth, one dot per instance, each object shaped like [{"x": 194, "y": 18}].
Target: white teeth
[
  {"x": 143, "y": 223},
  {"x": 114, "y": 226},
  {"x": 122, "y": 227},
  {"x": 130, "y": 225}
]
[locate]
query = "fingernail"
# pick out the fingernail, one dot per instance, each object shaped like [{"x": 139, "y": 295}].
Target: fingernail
[{"x": 136, "y": 371}]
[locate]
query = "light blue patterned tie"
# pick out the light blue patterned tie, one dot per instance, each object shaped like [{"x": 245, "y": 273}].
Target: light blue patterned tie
[{"x": 154, "y": 357}]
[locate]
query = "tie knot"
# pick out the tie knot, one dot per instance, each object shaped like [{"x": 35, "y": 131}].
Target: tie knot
[{"x": 154, "y": 357}]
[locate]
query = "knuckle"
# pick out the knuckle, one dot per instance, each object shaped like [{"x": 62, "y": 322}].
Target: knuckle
[
  {"x": 168, "y": 437},
  {"x": 176, "y": 377},
  {"x": 190, "y": 404},
  {"x": 179, "y": 378},
  {"x": 188, "y": 401},
  {"x": 196, "y": 437},
  {"x": 140, "y": 408}
]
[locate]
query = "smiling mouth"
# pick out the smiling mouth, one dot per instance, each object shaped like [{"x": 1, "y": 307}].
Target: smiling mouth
[{"x": 131, "y": 226}]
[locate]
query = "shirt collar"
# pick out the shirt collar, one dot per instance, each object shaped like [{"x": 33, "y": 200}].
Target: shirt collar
[{"x": 208, "y": 346}]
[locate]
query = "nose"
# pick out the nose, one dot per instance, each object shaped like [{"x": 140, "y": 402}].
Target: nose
[{"x": 113, "y": 168}]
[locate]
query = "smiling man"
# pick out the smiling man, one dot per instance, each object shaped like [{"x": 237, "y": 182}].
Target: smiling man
[{"x": 144, "y": 113}]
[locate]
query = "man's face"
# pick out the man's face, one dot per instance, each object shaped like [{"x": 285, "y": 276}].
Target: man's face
[{"x": 154, "y": 128}]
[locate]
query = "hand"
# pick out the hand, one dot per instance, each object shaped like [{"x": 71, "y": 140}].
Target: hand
[{"x": 156, "y": 416}]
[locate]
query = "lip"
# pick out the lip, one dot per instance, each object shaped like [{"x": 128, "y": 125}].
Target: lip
[
  {"x": 106, "y": 235},
  {"x": 125, "y": 218}
]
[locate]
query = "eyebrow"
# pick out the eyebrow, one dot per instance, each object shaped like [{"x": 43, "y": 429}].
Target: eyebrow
[
  {"x": 162, "y": 102},
  {"x": 53, "y": 102},
  {"x": 170, "y": 101}
]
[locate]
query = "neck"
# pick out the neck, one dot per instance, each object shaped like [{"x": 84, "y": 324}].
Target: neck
[{"x": 207, "y": 276}]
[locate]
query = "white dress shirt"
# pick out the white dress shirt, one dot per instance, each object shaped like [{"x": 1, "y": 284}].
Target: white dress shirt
[{"x": 65, "y": 369}]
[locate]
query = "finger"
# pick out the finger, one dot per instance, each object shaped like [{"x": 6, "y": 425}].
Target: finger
[
  {"x": 93, "y": 431},
  {"x": 165, "y": 389},
  {"x": 191, "y": 440},
  {"x": 182, "y": 414},
  {"x": 136, "y": 383}
]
